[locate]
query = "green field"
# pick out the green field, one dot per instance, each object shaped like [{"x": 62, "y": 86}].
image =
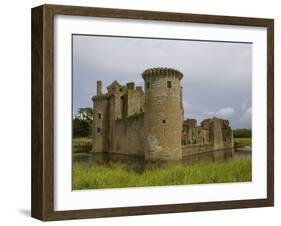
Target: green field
[
  {"x": 82, "y": 144},
  {"x": 114, "y": 176},
  {"x": 244, "y": 141}
]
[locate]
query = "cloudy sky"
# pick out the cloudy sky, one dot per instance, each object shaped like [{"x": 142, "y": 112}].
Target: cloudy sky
[{"x": 216, "y": 82}]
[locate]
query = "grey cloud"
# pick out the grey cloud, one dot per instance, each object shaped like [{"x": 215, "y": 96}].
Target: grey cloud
[{"x": 217, "y": 75}]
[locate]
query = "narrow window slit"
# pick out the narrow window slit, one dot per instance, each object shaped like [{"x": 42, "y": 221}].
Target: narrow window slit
[
  {"x": 169, "y": 84},
  {"x": 148, "y": 85}
]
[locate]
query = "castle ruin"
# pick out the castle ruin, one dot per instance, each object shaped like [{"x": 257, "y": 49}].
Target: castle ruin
[{"x": 150, "y": 123}]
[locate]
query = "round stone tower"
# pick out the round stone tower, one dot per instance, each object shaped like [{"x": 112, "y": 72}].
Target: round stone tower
[{"x": 163, "y": 118}]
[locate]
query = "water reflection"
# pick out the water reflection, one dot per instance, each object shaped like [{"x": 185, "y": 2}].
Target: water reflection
[{"x": 138, "y": 164}]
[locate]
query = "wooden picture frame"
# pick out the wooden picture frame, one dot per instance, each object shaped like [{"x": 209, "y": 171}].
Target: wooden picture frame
[{"x": 42, "y": 203}]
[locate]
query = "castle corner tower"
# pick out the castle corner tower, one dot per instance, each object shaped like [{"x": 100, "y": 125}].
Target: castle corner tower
[{"x": 163, "y": 119}]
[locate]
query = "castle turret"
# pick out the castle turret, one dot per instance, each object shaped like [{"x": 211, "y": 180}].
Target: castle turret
[
  {"x": 163, "y": 114},
  {"x": 100, "y": 121}
]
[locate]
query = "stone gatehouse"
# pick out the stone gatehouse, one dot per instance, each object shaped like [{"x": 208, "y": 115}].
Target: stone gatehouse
[{"x": 149, "y": 123}]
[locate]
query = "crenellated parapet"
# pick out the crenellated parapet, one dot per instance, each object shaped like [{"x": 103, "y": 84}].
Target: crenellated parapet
[{"x": 161, "y": 72}]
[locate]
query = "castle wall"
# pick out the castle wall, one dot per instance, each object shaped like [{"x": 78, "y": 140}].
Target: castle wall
[
  {"x": 113, "y": 113},
  {"x": 213, "y": 134},
  {"x": 100, "y": 124},
  {"x": 135, "y": 101},
  {"x": 216, "y": 134},
  {"x": 129, "y": 135},
  {"x": 227, "y": 145},
  {"x": 203, "y": 136},
  {"x": 192, "y": 149},
  {"x": 193, "y": 134}
]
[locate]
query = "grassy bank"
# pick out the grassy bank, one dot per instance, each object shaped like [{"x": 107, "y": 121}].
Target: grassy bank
[
  {"x": 85, "y": 177},
  {"x": 82, "y": 144},
  {"x": 243, "y": 141}
]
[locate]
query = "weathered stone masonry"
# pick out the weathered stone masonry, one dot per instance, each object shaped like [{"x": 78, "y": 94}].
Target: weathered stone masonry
[{"x": 150, "y": 124}]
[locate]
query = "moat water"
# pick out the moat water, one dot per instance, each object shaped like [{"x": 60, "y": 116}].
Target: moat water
[{"x": 138, "y": 164}]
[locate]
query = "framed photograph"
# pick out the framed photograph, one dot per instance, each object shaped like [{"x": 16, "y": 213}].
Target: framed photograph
[{"x": 143, "y": 112}]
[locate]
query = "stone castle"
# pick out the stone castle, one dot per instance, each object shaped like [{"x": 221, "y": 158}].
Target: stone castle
[{"x": 150, "y": 123}]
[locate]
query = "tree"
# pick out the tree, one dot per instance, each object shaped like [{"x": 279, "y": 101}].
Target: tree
[
  {"x": 82, "y": 122},
  {"x": 85, "y": 114},
  {"x": 242, "y": 133}
]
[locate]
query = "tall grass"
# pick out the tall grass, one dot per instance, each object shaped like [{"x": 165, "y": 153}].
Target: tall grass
[
  {"x": 81, "y": 144},
  {"x": 97, "y": 176}
]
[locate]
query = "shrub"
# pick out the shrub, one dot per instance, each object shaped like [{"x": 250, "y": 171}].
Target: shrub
[{"x": 242, "y": 133}]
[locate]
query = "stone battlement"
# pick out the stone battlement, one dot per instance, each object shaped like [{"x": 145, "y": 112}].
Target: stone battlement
[{"x": 161, "y": 71}]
